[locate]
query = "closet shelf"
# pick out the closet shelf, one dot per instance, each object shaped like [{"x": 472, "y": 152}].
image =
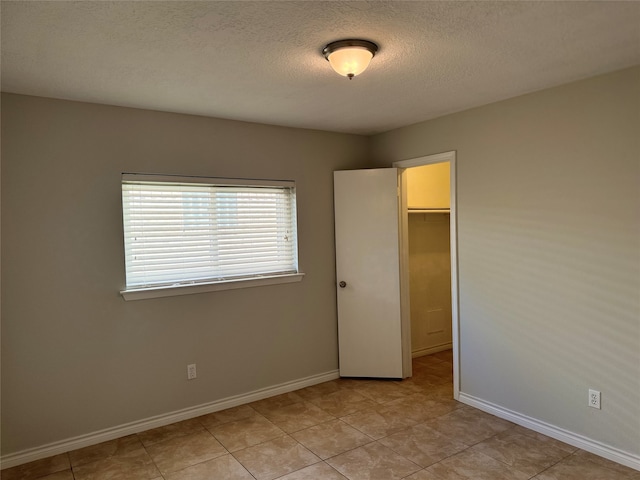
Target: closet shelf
[{"x": 429, "y": 210}]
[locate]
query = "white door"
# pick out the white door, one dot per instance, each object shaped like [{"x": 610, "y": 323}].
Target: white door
[{"x": 367, "y": 213}]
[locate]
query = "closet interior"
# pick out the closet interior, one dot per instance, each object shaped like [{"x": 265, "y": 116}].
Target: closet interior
[{"x": 428, "y": 200}]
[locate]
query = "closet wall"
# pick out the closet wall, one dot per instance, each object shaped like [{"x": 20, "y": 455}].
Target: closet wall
[{"x": 429, "y": 258}]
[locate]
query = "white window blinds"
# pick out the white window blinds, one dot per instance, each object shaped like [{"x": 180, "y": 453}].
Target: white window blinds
[{"x": 178, "y": 232}]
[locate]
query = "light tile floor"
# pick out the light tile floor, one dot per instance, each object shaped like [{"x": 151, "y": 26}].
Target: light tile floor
[{"x": 343, "y": 429}]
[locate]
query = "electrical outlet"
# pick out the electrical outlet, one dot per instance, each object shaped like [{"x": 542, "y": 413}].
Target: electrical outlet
[
  {"x": 191, "y": 371},
  {"x": 594, "y": 399}
]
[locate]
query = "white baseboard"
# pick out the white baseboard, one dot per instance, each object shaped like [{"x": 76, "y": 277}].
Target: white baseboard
[
  {"x": 25, "y": 456},
  {"x": 611, "y": 453},
  {"x": 429, "y": 350}
]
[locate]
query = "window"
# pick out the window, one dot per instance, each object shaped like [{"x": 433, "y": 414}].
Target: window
[{"x": 207, "y": 233}]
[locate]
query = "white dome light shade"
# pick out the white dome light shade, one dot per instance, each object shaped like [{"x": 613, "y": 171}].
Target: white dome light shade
[
  {"x": 350, "y": 61},
  {"x": 350, "y": 57}
]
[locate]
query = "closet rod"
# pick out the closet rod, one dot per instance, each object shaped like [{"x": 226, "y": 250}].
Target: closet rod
[{"x": 429, "y": 210}]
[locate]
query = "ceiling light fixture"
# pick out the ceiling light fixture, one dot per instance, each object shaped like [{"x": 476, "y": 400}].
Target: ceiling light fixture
[{"x": 350, "y": 57}]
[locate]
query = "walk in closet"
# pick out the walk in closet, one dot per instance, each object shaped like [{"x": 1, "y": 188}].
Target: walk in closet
[{"x": 428, "y": 197}]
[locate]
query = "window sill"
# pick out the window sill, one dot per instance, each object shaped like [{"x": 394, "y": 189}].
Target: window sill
[{"x": 171, "y": 291}]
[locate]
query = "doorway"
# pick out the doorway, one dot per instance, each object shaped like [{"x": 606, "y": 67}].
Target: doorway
[{"x": 433, "y": 213}]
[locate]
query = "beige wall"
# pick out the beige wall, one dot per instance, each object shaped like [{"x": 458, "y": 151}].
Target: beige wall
[
  {"x": 77, "y": 358},
  {"x": 428, "y": 186},
  {"x": 429, "y": 282},
  {"x": 549, "y": 250}
]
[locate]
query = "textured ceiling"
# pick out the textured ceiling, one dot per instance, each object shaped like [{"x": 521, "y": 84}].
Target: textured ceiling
[{"x": 261, "y": 61}]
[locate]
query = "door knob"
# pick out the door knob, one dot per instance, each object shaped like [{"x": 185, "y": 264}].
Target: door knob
[{"x": 343, "y": 284}]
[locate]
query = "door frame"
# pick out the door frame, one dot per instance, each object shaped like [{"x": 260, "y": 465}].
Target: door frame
[{"x": 404, "y": 260}]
